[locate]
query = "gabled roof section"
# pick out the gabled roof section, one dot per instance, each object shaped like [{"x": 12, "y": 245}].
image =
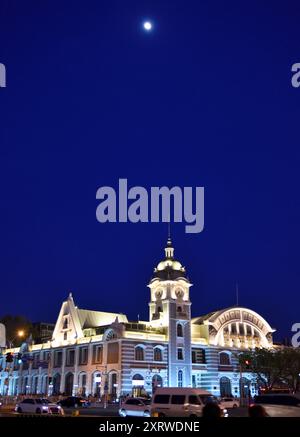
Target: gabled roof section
[
  {"x": 69, "y": 310},
  {"x": 78, "y": 320},
  {"x": 93, "y": 319}
]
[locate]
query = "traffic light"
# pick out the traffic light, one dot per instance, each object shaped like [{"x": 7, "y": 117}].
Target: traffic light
[
  {"x": 247, "y": 364},
  {"x": 19, "y": 358},
  {"x": 9, "y": 357}
]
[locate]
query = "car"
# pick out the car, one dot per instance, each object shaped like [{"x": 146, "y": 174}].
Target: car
[
  {"x": 229, "y": 402},
  {"x": 135, "y": 407},
  {"x": 38, "y": 406},
  {"x": 73, "y": 402},
  {"x": 279, "y": 405},
  {"x": 181, "y": 402}
]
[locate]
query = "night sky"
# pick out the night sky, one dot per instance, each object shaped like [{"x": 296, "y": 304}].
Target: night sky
[{"x": 204, "y": 99}]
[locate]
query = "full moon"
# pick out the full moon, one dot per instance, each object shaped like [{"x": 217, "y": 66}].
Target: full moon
[{"x": 147, "y": 25}]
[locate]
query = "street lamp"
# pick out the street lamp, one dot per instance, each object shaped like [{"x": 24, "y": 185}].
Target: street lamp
[{"x": 20, "y": 334}]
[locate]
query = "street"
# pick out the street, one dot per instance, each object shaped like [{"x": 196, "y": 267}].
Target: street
[{"x": 110, "y": 411}]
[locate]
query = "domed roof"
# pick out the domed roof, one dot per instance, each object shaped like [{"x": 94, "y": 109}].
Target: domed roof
[{"x": 169, "y": 268}]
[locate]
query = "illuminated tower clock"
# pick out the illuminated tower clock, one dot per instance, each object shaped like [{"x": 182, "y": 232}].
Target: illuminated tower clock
[{"x": 170, "y": 308}]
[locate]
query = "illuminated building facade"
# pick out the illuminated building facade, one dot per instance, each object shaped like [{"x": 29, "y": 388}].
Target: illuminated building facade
[{"x": 93, "y": 352}]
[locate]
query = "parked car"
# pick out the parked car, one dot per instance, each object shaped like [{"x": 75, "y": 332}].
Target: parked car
[
  {"x": 279, "y": 405},
  {"x": 229, "y": 402},
  {"x": 38, "y": 406},
  {"x": 135, "y": 407},
  {"x": 73, "y": 402},
  {"x": 181, "y": 402}
]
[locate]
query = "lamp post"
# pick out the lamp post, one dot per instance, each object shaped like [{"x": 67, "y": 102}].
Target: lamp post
[{"x": 20, "y": 334}]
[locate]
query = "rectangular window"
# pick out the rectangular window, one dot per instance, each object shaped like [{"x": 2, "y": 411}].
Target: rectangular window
[
  {"x": 97, "y": 354},
  {"x": 180, "y": 353},
  {"x": 198, "y": 356},
  {"x": 83, "y": 355},
  {"x": 57, "y": 358},
  {"x": 66, "y": 323},
  {"x": 70, "y": 357},
  {"x": 35, "y": 360}
]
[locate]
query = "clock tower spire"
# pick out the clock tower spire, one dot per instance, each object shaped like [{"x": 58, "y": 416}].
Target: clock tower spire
[{"x": 170, "y": 308}]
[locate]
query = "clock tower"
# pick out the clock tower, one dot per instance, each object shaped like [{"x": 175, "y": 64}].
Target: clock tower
[{"x": 170, "y": 308}]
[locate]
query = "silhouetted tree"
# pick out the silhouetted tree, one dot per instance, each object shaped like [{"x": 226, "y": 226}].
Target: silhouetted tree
[{"x": 13, "y": 324}]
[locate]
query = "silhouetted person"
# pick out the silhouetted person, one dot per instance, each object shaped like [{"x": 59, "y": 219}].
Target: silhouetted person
[
  {"x": 212, "y": 410},
  {"x": 257, "y": 411}
]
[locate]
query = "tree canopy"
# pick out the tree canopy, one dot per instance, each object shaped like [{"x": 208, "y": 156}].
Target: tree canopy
[{"x": 273, "y": 366}]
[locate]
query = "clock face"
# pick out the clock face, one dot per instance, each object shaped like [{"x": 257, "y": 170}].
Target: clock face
[
  {"x": 158, "y": 294},
  {"x": 179, "y": 292}
]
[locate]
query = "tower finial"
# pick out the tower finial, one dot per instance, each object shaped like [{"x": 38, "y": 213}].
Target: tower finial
[{"x": 169, "y": 250}]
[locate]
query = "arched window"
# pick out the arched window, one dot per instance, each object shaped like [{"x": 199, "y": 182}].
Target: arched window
[
  {"x": 179, "y": 330},
  {"x": 157, "y": 354},
  {"x": 139, "y": 353},
  {"x": 137, "y": 385},
  {"x": 69, "y": 380},
  {"x": 180, "y": 378},
  {"x": 36, "y": 384},
  {"x": 138, "y": 380},
  {"x": 82, "y": 384},
  {"x": 244, "y": 388},
  {"x": 224, "y": 359},
  {"x": 96, "y": 386},
  {"x": 157, "y": 381},
  {"x": 56, "y": 384},
  {"x": 225, "y": 387}
]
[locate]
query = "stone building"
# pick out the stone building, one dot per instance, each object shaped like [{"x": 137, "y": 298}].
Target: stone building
[{"x": 95, "y": 352}]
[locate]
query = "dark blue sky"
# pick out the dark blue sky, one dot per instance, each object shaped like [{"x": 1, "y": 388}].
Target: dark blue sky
[{"x": 203, "y": 100}]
